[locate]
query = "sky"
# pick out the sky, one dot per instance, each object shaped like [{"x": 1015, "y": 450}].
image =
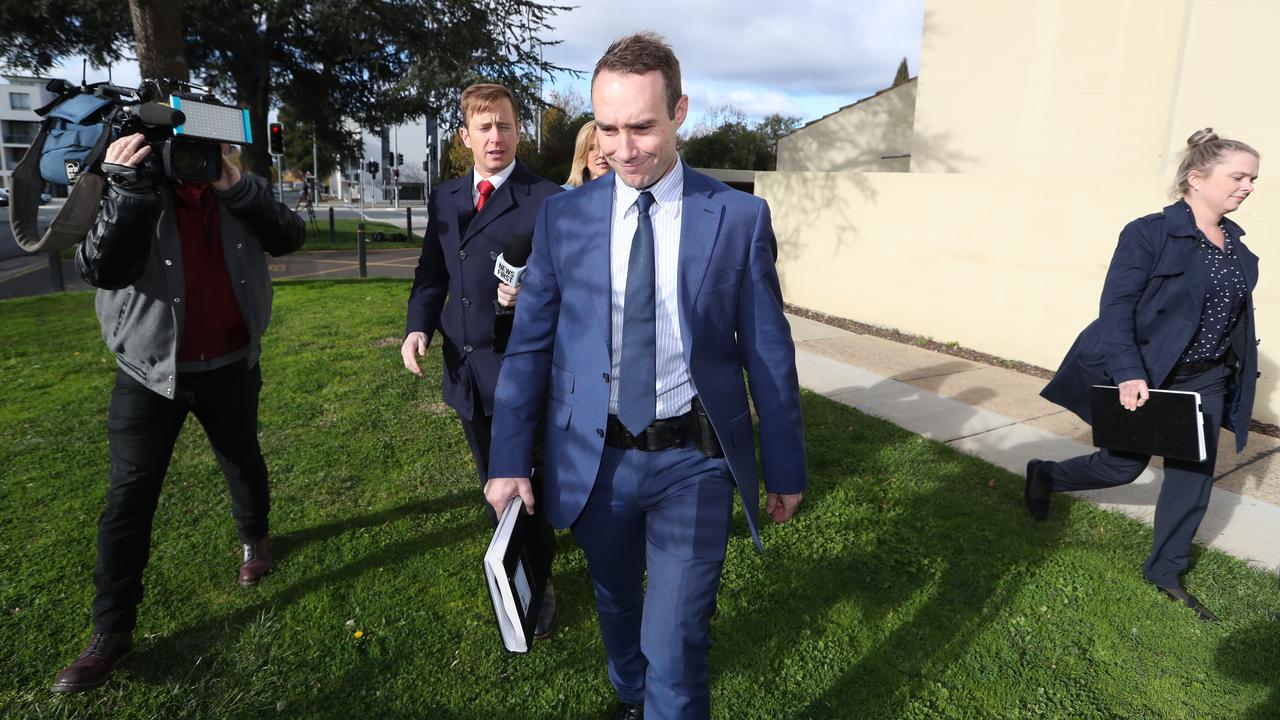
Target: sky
[{"x": 804, "y": 58}]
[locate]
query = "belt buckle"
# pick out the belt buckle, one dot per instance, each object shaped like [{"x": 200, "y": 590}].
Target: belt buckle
[{"x": 657, "y": 436}]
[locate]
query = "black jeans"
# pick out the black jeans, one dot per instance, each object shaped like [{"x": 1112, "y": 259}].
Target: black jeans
[
  {"x": 1184, "y": 495},
  {"x": 142, "y": 427}
]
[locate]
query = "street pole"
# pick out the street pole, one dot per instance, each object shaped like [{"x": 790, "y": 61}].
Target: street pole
[
  {"x": 364, "y": 168},
  {"x": 395, "y": 181},
  {"x": 280, "y": 177},
  {"x": 315, "y": 169}
]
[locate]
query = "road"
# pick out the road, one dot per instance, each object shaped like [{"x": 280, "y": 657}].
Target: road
[{"x": 23, "y": 274}]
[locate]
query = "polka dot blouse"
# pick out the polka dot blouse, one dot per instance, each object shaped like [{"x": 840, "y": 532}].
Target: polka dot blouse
[{"x": 1223, "y": 300}]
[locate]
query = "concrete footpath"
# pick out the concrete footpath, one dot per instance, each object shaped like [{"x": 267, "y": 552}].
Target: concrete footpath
[{"x": 999, "y": 416}]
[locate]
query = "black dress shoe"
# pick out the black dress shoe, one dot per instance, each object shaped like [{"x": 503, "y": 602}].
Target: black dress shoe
[
  {"x": 1181, "y": 595},
  {"x": 94, "y": 666},
  {"x": 627, "y": 711},
  {"x": 1037, "y": 492}
]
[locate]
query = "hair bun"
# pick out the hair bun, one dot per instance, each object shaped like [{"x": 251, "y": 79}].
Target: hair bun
[{"x": 1201, "y": 137}]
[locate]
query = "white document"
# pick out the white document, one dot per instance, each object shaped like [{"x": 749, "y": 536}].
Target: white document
[{"x": 510, "y": 599}]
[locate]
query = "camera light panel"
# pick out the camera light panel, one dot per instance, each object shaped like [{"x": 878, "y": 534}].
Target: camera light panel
[{"x": 211, "y": 121}]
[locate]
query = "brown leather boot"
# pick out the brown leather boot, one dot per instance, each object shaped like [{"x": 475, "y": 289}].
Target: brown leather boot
[
  {"x": 94, "y": 666},
  {"x": 257, "y": 562}
]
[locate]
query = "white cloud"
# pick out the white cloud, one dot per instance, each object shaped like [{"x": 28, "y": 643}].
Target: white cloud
[
  {"x": 836, "y": 47},
  {"x": 753, "y": 103}
]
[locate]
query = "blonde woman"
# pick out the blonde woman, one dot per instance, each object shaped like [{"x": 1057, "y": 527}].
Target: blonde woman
[
  {"x": 588, "y": 163},
  {"x": 1177, "y": 314}
]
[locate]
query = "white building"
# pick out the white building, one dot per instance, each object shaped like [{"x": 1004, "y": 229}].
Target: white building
[{"x": 19, "y": 123}]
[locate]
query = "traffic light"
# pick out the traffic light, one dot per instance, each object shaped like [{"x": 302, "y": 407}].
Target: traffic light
[
  {"x": 373, "y": 168},
  {"x": 399, "y": 159},
  {"x": 275, "y": 138}
]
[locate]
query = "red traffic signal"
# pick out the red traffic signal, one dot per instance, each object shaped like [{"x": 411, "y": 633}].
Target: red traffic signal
[{"x": 275, "y": 139}]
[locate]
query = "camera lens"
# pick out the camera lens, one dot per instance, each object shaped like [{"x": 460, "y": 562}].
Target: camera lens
[{"x": 189, "y": 160}]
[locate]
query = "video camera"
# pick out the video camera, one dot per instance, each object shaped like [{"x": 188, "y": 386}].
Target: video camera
[{"x": 184, "y": 124}]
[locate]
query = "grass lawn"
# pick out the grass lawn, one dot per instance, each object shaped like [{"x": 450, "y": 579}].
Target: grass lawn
[
  {"x": 911, "y": 584},
  {"x": 344, "y": 234}
]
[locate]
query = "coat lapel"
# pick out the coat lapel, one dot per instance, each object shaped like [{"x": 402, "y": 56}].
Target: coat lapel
[
  {"x": 503, "y": 200},
  {"x": 699, "y": 229},
  {"x": 591, "y": 250},
  {"x": 463, "y": 209}
]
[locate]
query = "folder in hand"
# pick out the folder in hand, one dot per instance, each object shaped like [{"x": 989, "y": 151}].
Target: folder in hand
[
  {"x": 516, "y": 583},
  {"x": 1169, "y": 424}
]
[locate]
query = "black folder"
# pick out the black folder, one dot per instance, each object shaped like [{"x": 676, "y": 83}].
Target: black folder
[
  {"x": 1169, "y": 424},
  {"x": 516, "y": 583}
]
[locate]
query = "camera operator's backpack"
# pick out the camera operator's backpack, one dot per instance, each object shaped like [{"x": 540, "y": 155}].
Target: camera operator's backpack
[{"x": 67, "y": 151}]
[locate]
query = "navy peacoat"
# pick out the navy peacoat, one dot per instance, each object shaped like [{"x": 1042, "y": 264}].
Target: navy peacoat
[
  {"x": 1151, "y": 305},
  {"x": 454, "y": 286}
]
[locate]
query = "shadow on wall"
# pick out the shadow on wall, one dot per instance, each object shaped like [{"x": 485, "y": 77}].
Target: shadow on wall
[{"x": 803, "y": 201}]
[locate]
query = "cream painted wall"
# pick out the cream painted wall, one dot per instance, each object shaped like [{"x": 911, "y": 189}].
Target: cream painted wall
[
  {"x": 1046, "y": 86},
  {"x": 1011, "y": 265},
  {"x": 1230, "y": 79},
  {"x": 856, "y": 138}
]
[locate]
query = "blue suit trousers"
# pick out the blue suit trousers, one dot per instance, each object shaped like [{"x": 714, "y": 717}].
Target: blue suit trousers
[
  {"x": 668, "y": 512},
  {"x": 1184, "y": 495}
]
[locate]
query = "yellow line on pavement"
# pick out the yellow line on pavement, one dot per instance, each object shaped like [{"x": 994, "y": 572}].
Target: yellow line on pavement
[
  {"x": 351, "y": 266},
  {"x": 24, "y": 271}
]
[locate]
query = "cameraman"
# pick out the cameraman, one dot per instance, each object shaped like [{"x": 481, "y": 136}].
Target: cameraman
[{"x": 184, "y": 299}]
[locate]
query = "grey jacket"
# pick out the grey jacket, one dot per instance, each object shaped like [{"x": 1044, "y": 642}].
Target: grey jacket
[{"x": 133, "y": 254}]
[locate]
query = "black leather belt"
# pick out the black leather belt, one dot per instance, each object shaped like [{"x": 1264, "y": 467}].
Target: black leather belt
[
  {"x": 1196, "y": 367},
  {"x": 661, "y": 434}
]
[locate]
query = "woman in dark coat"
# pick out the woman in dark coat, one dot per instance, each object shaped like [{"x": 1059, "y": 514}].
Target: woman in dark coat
[{"x": 1176, "y": 314}]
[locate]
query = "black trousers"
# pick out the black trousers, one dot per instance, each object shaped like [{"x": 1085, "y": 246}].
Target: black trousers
[
  {"x": 142, "y": 427},
  {"x": 1184, "y": 496},
  {"x": 479, "y": 435}
]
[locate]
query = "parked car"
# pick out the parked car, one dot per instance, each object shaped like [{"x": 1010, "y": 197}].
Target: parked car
[{"x": 4, "y": 197}]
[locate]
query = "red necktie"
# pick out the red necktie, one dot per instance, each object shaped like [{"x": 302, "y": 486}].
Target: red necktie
[{"x": 486, "y": 189}]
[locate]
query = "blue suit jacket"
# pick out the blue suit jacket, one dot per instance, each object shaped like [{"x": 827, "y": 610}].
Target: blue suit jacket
[
  {"x": 1151, "y": 305},
  {"x": 458, "y": 253},
  {"x": 731, "y": 318}
]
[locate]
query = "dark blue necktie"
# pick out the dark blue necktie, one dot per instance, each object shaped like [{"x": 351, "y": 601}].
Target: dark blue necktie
[{"x": 638, "y": 396}]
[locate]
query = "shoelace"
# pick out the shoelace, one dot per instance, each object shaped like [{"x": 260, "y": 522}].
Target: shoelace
[{"x": 96, "y": 641}]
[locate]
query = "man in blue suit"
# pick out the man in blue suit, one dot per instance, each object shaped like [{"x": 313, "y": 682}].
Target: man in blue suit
[
  {"x": 649, "y": 291},
  {"x": 471, "y": 220}
]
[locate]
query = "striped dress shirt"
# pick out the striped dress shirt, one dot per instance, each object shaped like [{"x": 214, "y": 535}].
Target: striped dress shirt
[{"x": 675, "y": 388}]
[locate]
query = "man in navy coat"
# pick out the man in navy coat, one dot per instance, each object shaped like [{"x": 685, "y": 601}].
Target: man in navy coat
[
  {"x": 471, "y": 220},
  {"x": 648, "y": 293}
]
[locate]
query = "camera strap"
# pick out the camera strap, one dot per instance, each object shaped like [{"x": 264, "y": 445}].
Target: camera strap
[{"x": 75, "y": 218}]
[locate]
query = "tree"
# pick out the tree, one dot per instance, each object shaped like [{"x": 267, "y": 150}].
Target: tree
[
  {"x": 335, "y": 143},
  {"x": 373, "y": 62},
  {"x": 157, "y": 29},
  {"x": 902, "y": 75},
  {"x": 725, "y": 139}
]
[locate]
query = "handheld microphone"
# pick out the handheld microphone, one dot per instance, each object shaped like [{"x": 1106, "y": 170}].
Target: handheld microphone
[{"x": 509, "y": 269}]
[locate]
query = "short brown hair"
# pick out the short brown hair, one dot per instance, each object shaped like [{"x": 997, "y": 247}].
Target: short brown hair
[
  {"x": 1204, "y": 150},
  {"x": 485, "y": 96},
  {"x": 643, "y": 53}
]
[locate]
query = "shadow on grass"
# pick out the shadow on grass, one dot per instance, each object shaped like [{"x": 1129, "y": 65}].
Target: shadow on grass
[
  {"x": 155, "y": 664},
  {"x": 1238, "y": 657},
  {"x": 929, "y": 563}
]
